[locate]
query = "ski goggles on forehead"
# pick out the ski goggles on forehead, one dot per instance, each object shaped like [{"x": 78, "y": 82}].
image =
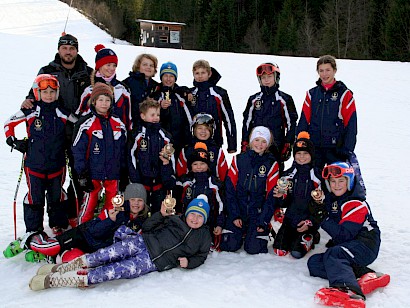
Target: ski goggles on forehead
[
  {"x": 267, "y": 69},
  {"x": 204, "y": 119},
  {"x": 44, "y": 84},
  {"x": 67, "y": 42},
  {"x": 335, "y": 171},
  {"x": 301, "y": 144}
]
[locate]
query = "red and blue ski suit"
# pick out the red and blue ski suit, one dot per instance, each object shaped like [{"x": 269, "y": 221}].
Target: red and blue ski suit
[
  {"x": 273, "y": 109},
  {"x": 214, "y": 100},
  {"x": 99, "y": 149},
  {"x": 329, "y": 116},
  {"x": 250, "y": 180},
  {"x": 44, "y": 163},
  {"x": 356, "y": 239}
]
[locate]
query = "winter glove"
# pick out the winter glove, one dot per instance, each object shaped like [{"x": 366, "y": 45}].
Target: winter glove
[
  {"x": 318, "y": 212},
  {"x": 85, "y": 182},
  {"x": 286, "y": 152},
  {"x": 244, "y": 146},
  {"x": 19, "y": 145}
]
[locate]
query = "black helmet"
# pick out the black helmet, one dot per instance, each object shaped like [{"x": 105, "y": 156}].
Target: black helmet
[{"x": 204, "y": 119}]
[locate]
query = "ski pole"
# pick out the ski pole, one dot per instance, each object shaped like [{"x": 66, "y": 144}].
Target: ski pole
[
  {"x": 68, "y": 14},
  {"x": 15, "y": 197},
  {"x": 70, "y": 174}
]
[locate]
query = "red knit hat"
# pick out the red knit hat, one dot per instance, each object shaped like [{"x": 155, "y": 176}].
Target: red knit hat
[{"x": 104, "y": 56}]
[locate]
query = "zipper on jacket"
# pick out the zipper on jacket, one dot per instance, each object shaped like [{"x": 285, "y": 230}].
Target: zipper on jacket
[{"x": 173, "y": 247}]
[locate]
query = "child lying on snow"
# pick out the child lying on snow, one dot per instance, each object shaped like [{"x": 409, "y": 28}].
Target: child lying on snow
[{"x": 167, "y": 241}]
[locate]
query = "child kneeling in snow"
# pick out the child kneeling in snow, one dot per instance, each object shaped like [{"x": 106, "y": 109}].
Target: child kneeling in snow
[
  {"x": 355, "y": 241},
  {"x": 167, "y": 241}
]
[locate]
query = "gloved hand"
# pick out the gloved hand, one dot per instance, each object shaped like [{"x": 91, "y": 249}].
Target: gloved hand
[
  {"x": 19, "y": 145},
  {"x": 286, "y": 152},
  {"x": 318, "y": 212},
  {"x": 85, "y": 181},
  {"x": 244, "y": 146}
]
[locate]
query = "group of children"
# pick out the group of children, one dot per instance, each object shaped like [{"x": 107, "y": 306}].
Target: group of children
[{"x": 154, "y": 139}]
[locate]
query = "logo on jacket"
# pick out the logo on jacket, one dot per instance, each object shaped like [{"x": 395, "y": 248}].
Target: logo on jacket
[
  {"x": 193, "y": 102},
  {"x": 258, "y": 105},
  {"x": 334, "y": 96},
  {"x": 211, "y": 156},
  {"x": 262, "y": 170},
  {"x": 188, "y": 193},
  {"x": 38, "y": 125},
  {"x": 96, "y": 149},
  {"x": 334, "y": 207},
  {"x": 143, "y": 145}
]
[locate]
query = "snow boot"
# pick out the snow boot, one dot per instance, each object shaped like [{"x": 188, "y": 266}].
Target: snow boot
[
  {"x": 372, "y": 281},
  {"x": 57, "y": 280},
  {"x": 76, "y": 264},
  {"x": 34, "y": 256},
  {"x": 13, "y": 249},
  {"x": 280, "y": 252},
  {"x": 339, "y": 298}
]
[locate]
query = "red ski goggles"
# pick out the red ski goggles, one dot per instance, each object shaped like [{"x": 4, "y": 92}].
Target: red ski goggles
[
  {"x": 335, "y": 171},
  {"x": 267, "y": 69},
  {"x": 44, "y": 84},
  {"x": 301, "y": 144}
]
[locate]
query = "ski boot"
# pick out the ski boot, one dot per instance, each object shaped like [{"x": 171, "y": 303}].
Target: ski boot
[
  {"x": 13, "y": 249},
  {"x": 57, "y": 280},
  {"x": 339, "y": 298},
  {"x": 372, "y": 281},
  {"x": 34, "y": 256}
]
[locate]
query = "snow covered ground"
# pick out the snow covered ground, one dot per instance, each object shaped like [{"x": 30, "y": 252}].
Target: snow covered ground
[{"x": 29, "y": 31}]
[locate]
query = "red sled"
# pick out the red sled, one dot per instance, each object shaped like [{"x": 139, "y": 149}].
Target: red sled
[
  {"x": 338, "y": 298},
  {"x": 372, "y": 281}
]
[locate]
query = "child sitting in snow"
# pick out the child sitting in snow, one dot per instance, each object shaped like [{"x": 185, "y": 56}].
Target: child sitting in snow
[
  {"x": 347, "y": 218},
  {"x": 167, "y": 241},
  {"x": 297, "y": 233}
]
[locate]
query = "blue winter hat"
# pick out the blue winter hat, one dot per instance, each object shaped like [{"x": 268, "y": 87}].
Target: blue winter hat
[
  {"x": 169, "y": 68},
  {"x": 199, "y": 205}
]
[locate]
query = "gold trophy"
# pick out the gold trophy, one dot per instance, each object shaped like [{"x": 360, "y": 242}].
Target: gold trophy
[
  {"x": 318, "y": 195},
  {"x": 167, "y": 96},
  {"x": 168, "y": 150},
  {"x": 284, "y": 184},
  {"x": 117, "y": 201},
  {"x": 170, "y": 204}
]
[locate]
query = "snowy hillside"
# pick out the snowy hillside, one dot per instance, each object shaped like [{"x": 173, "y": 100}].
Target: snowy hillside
[{"x": 29, "y": 31}]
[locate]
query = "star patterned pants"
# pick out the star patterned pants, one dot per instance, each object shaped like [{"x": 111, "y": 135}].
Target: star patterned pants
[{"x": 122, "y": 260}]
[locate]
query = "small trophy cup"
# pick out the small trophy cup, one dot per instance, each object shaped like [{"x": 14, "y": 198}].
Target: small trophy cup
[
  {"x": 284, "y": 185},
  {"x": 318, "y": 195},
  {"x": 167, "y": 96},
  {"x": 168, "y": 150},
  {"x": 117, "y": 201},
  {"x": 170, "y": 204}
]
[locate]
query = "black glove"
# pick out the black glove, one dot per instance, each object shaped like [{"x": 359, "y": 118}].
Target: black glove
[
  {"x": 84, "y": 180},
  {"x": 318, "y": 212},
  {"x": 19, "y": 145}
]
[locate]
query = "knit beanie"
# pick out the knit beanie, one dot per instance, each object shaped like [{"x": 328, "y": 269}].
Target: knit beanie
[
  {"x": 260, "y": 131},
  {"x": 200, "y": 153},
  {"x": 303, "y": 143},
  {"x": 101, "y": 89},
  {"x": 199, "y": 205},
  {"x": 135, "y": 190},
  {"x": 169, "y": 68},
  {"x": 67, "y": 39},
  {"x": 104, "y": 56}
]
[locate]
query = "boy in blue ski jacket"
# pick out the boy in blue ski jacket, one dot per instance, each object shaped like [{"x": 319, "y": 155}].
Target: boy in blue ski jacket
[
  {"x": 44, "y": 155},
  {"x": 167, "y": 241},
  {"x": 148, "y": 162},
  {"x": 251, "y": 178},
  {"x": 175, "y": 116},
  {"x": 99, "y": 151},
  {"x": 298, "y": 233},
  {"x": 214, "y": 100},
  {"x": 271, "y": 108},
  {"x": 347, "y": 218}
]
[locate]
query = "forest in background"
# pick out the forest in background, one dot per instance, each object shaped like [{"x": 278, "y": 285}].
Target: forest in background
[{"x": 354, "y": 29}]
